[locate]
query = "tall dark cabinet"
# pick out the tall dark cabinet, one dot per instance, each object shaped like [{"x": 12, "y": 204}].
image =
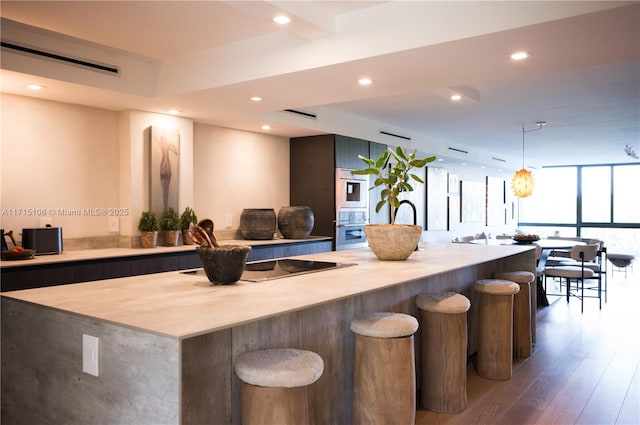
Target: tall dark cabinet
[{"x": 314, "y": 160}]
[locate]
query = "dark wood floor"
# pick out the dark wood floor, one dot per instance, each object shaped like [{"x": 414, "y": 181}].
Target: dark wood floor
[{"x": 584, "y": 369}]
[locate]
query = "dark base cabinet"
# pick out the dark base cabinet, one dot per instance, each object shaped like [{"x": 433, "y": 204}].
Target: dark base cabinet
[{"x": 38, "y": 276}]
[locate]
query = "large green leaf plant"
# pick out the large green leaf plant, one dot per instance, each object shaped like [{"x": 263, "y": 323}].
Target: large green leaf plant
[{"x": 393, "y": 171}]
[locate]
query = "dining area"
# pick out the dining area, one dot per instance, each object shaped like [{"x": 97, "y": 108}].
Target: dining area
[{"x": 566, "y": 267}]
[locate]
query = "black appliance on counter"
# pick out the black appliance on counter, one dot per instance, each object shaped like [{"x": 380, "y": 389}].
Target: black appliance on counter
[{"x": 45, "y": 240}]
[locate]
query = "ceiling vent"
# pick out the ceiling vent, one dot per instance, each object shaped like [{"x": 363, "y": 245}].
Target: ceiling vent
[
  {"x": 301, "y": 113},
  {"x": 39, "y": 53},
  {"x": 498, "y": 159},
  {"x": 458, "y": 150},
  {"x": 386, "y": 133}
]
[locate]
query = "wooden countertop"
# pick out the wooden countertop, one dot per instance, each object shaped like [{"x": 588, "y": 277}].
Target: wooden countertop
[
  {"x": 179, "y": 305},
  {"x": 96, "y": 254}
]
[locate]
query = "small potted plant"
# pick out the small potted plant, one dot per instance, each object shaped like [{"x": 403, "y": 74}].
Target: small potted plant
[
  {"x": 188, "y": 217},
  {"x": 170, "y": 226},
  {"x": 148, "y": 227},
  {"x": 392, "y": 169}
]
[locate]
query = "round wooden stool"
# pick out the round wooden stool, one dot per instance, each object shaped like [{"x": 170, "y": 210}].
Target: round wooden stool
[
  {"x": 444, "y": 351},
  {"x": 495, "y": 327},
  {"x": 384, "y": 384},
  {"x": 274, "y": 385},
  {"x": 524, "y": 311}
]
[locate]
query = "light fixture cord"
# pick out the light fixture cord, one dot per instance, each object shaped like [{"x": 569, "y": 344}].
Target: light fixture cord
[{"x": 539, "y": 126}]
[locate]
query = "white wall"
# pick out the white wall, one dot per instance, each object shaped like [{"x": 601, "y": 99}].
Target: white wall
[
  {"x": 57, "y": 157},
  {"x": 236, "y": 169}
]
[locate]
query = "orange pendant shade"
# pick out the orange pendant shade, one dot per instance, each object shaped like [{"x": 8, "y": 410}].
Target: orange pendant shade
[{"x": 522, "y": 183}]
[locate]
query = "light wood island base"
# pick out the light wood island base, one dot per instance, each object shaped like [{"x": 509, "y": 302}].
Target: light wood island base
[{"x": 168, "y": 341}]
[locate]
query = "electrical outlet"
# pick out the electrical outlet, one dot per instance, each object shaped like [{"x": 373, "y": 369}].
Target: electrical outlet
[
  {"x": 90, "y": 354},
  {"x": 114, "y": 224},
  {"x": 228, "y": 222}
]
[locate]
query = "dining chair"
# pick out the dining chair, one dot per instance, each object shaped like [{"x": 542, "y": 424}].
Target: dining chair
[
  {"x": 598, "y": 264},
  {"x": 578, "y": 272}
]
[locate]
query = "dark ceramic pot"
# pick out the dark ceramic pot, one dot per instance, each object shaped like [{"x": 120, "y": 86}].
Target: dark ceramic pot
[
  {"x": 258, "y": 223},
  {"x": 224, "y": 265},
  {"x": 295, "y": 222}
]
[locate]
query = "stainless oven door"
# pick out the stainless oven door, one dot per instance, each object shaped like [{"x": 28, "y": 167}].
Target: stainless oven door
[
  {"x": 351, "y": 191},
  {"x": 350, "y": 236}
]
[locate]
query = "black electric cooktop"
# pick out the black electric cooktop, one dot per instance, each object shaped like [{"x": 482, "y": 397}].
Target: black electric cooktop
[{"x": 259, "y": 271}]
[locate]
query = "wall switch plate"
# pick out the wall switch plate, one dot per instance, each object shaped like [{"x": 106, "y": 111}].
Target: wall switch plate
[
  {"x": 90, "y": 345},
  {"x": 228, "y": 222},
  {"x": 114, "y": 224}
]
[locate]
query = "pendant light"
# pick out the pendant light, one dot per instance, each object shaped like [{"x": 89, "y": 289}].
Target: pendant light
[{"x": 522, "y": 182}]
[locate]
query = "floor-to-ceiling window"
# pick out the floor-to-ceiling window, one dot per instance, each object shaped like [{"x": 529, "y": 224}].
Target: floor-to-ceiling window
[{"x": 593, "y": 201}]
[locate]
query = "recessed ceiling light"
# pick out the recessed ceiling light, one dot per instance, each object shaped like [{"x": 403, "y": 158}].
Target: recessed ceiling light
[
  {"x": 281, "y": 20},
  {"x": 34, "y": 86},
  {"x": 455, "y": 97},
  {"x": 256, "y": 99},
  {"x": 518, "y": 56},
  {"x": 174, "y": 111},
  {"x": 266, "y": 127},
  {"x": 365, "y": 81}
]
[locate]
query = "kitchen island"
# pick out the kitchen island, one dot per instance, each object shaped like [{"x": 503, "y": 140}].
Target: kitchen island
[{"x": 168, "y": 341}]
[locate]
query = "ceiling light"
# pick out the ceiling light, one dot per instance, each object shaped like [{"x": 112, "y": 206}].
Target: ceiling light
[
  {"x": 34, "y": 86},
  {"x": 256, "y": 99},
  {"x": 518, "y": 56},
  {"x": 522, "y": 182},
  {"x": 266, "y": 127},
  {"x": 174, "y": 111},
  {"x": 455, "y": 97},
  {"x": 365, "y": 81},
  {"x": 281, "y": 20}
]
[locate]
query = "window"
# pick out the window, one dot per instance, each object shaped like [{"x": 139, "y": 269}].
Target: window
[
  {"x": 554, "y": 197},
  {"x": 596, "y": 194},
  {"x": 626, "y": 194}
]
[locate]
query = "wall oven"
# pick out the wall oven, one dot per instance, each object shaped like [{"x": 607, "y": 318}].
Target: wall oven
[
  {"x": 351, "y": 191},
  {"x": 350, "y": 228}
]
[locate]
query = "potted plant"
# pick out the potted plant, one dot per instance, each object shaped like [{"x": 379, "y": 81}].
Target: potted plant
[
  {"x": 392, "y": 169},
  {"x": 188, "y": 217},
  {"x": 148, "y": 227},
  {"x": 170, "y": 225}
]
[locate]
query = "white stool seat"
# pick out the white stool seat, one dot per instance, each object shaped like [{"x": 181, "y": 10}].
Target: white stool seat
[
  {"x": 516, "y": 276},
  {"x": 443, "y": 302},
  {"x": 279, "y": 367},
  {"x": 385, "y": 325},
  {"x": 496, "y": 287}
]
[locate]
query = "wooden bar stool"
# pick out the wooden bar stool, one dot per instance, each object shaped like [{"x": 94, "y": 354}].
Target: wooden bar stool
[
  {"x": 495, "y": 327},
  {"x": 274, "y": 385},
  {"x": 444, "y": 351},
  {"x": 384, "y": 385},
  {"x": 524, "y": 312}
]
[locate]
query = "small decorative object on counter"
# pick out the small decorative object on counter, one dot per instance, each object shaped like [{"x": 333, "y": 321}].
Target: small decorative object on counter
[
  {"x": 170, "y": 225},
  {"x": 258, "y": 223},
  {"x": 148, "y": 227},
  {"x": 295, "y": 222},
  {"x": 222, "y": 264},
  {"x": 187, "y": 218}
]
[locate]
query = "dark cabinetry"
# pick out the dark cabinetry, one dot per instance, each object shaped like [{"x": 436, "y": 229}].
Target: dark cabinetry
[
  {"x": 38, "y": 276},
  {"x": 347, "y": 151},
  {"x": 314, "y": 160}
]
